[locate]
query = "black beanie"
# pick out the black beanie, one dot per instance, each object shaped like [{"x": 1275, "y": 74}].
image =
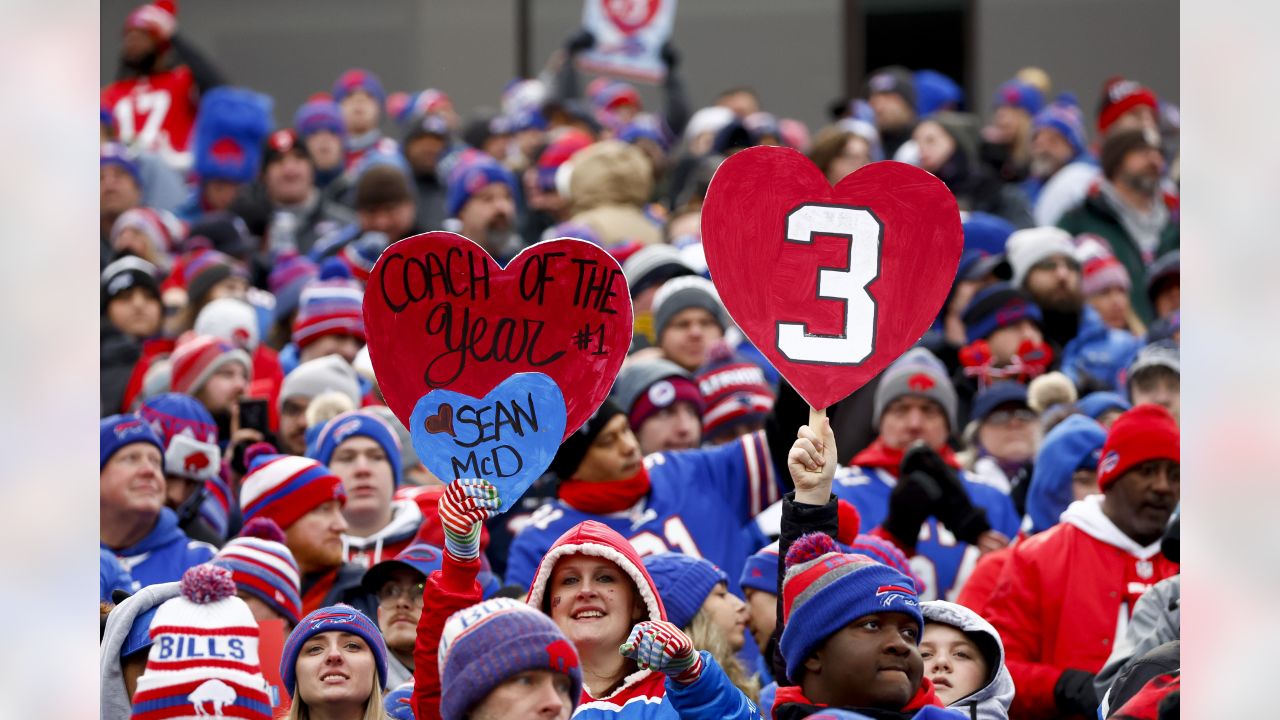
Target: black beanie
[{"x": 575, "y": 447}]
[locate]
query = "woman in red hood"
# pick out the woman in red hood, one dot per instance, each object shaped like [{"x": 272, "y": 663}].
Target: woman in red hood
[{"x": 635, "y": 664}]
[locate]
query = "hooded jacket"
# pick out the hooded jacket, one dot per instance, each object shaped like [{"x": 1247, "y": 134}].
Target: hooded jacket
[
  {"x": 1095, "y": 357},
  {"x": 644, "y": 693},
  {"x": 991, "y": 701},
  {"x": 1063, "y": 451},
  {"x": 385, "y": 544},
  {"x": 164, "y": 554},
  {"x": 1064, "y": 598},
  {"x": 116, "y": 703}
]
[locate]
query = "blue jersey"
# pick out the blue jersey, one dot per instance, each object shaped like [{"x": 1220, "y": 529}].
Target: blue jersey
[
  {"x": 698, "y": 502},
  {"x": 942, "y": 561}
]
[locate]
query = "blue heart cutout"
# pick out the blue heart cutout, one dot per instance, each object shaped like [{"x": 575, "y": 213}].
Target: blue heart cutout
[{"x": 509, "y": 437}]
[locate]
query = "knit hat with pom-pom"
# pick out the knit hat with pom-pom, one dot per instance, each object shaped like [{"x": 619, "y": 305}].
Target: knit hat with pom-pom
[
  {"x": 825, "y": 590},
  {"x": 204, "y": 654},
  {"x": 262, "y": 566},
  {"x": 285, "y": 487}
]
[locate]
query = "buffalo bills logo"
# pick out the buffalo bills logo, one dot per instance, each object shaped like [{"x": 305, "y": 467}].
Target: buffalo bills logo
[
  {"x": 1122, "y": 90},
  {"x": 423, "y": 555},
  {"x": 226, "y": 151},
  {"x": 561, "y": 656},
  {"x": 195, "y": 462},
  {"x": 921, "y": 382},
  {"x": 332, "y": 617},
  {"x": 1012, "y": 96},
  {"x": 344, "y": 430},
  {"x": 889, "y": 594},
  {"x": 282, "y": 141},
  {"x": 240, "y": 336},
  {"x": 882, "y": 83},
  {"x": 129, "y": 427},
  {"x": 1109, "y": 462}
]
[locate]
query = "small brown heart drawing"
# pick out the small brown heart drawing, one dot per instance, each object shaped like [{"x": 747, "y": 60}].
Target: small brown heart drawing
[{"x": 442, "y": 421}]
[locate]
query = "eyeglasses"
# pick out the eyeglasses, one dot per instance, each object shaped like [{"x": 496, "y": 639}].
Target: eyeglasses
[
  {"x": 1004, "y": 417},
  {"x": 391, "y": 592}
]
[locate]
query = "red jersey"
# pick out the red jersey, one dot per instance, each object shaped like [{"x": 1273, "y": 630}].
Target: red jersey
[{"x": 156, "y": 112}]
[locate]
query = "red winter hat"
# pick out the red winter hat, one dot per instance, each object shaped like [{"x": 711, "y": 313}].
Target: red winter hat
[
  {"x": 1119, "y": 96},
  {"x": 1147, "y": 432},
  {"x": 158, "y": 19},
  {"x": 197, "y": 358}
]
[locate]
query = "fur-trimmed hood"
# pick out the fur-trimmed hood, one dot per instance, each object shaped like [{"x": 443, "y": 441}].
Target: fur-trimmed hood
[{"x": 594, "y": 538}]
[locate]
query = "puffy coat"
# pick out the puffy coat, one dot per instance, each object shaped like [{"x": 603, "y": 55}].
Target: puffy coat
[{"x": 1065, "y": 596}]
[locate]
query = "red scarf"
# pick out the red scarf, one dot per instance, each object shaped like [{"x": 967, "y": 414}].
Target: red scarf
[
  {"x": 879, "y": 455},
  {"x": 601, "y": 498},
  {"x": 925, "y": 696}
]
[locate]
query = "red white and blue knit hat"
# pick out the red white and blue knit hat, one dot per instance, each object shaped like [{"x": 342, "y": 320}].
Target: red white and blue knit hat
[
  {"x": 117, "y": 431},
  {"x": 319, "y": 113},
  {"x": 189, "y": 433},
  {"x": 283, "y": 488},
  {"x": 329, "y": 307},
  {"x": 204, "y": 655},
  {"x": 263, "y": 566},
  {"x": 735, "y": 391},
  {"x": 195, "y": 360},
  {"x": 485, "y": 644},
  {"x": 335, "y": 618},
  {"x": 825, "y": 590},
  {"x": 358, "y": 79},
  {"x": 684, "y": 582}
]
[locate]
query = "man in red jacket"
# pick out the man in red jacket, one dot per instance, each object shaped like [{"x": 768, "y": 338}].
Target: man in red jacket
[{"x": 1066, "y": 594}]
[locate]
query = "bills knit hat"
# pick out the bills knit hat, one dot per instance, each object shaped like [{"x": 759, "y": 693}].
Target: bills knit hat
[
  {"x": 1065, "y": 120},
  {"x": 917, "y": 373},
  {"x": 485, "y": 644},
  {"x": 318, "y": 114},
  {"x": 335, "y": 618},
  {"x": 1147, "y": 432},
  {"x": 996, "y": 306},
  {"x": 574, "y": 448},
  {"x": 230, "y": 319},
  {"x": 127, "y": 273},
  {"x": 1119, "y": 96},
  {"x": 113, "y": 153},
  {"x": 203, "y": 660},
  {"x": 329, "y": 307},
  {"x": 290, "y": 273},
  {"x": 893, "y": 79},
  {"x": 682, "y": 293},
  {"x": 229, "y": 130},
  {"x": 825, "y": 590},
  {"x": 189, "y": 433},
  {"x": 197, "y": 359},
  {"x": 263, "y": 566},
  {"x": 283, "y": 488},
  {"x": 1018, "y": 94},
  {"x": 735, "y": 391},
  {"x": 1029, "y": 246},
  {"x": 357, "y": 79},
  {"x": 684, "y": 582},
  {"x": 117, "y": 431},
  {"x": 359, "y": 423},
  {"x": 162, "y": 228},
  {"x": 471, "y": 177},
  {"x": 321, "y": 375},
  {"x": 205, "y": 267},
  {"x": 645, "y": 387},
  {"x": 761, "y": 570}
]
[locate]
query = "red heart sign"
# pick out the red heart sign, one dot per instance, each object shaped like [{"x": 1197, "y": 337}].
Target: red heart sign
[
  {"x": 440, "y": 312},
  {"x": 831, "y": 283}
]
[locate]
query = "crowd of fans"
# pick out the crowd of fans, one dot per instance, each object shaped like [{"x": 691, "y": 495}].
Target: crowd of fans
[{"x": 988, "y": 529}]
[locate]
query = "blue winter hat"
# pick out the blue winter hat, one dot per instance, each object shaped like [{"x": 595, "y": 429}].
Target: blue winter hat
[
  {"x": 358, "y": 79},
  {"x": 984, "y": 239},
  {"x": 995, "y": 395},
  {"x": 318, "y": 113},
  {"x": 683, "y": 582},
  {"x": 113, "y": 153},
  {"x": 1019, "y": 94},
  {"x": 935, "y": 91},
  {"x": 825, "y": 590},
  {"x": 358, "y": 423},
  {"x": 117, "y": 431},
  {"x": 995, "y": 306},
  {"x": 645, "y": 127},
  {"x": 761, "y": 570},
  {"x": 1067, "y": 121},
  {"x": 1074, "y": 444},
  {"x": 470, "y": 178},
  {"x": 1096, "y": 403},
  {"x": 231, "y": 128},
  {"x": 487, "y": 643},
  {"x": 335, "y": 618},
  {"x": 420, "y": 557}
]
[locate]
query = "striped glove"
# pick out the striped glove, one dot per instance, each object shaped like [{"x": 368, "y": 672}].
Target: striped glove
[
  {"x": 661, "y": 646},
  {"x": 464, "y": 507}
]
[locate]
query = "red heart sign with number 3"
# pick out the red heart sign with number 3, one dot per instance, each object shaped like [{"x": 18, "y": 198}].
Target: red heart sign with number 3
[
  {"x": 831, "y": 283},
  {"x": 439, "y": 312}
]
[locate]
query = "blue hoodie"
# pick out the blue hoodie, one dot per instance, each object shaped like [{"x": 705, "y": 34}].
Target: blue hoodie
[
  {"x": 1073, "y": 442},
  {"x": 1098, "y": 352},
  {"x": 111, "y": 576},
  {"x": 163, "y": 555}
]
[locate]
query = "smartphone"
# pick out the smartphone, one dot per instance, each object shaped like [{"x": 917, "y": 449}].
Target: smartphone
[{"x": 253, "y": 414}]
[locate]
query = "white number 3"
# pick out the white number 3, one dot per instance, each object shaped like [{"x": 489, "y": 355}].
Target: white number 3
[{"x": 864, "y": 231}]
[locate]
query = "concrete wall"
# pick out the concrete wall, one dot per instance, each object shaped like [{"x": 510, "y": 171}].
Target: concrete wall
[{"x": 791, "y": 52}]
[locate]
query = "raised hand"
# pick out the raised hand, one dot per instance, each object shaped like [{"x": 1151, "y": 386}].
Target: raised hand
[
  {"x": 812, "y": 462},
  {"x": 464, "y": 507},
  {"x": 659, "y": 645}
]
